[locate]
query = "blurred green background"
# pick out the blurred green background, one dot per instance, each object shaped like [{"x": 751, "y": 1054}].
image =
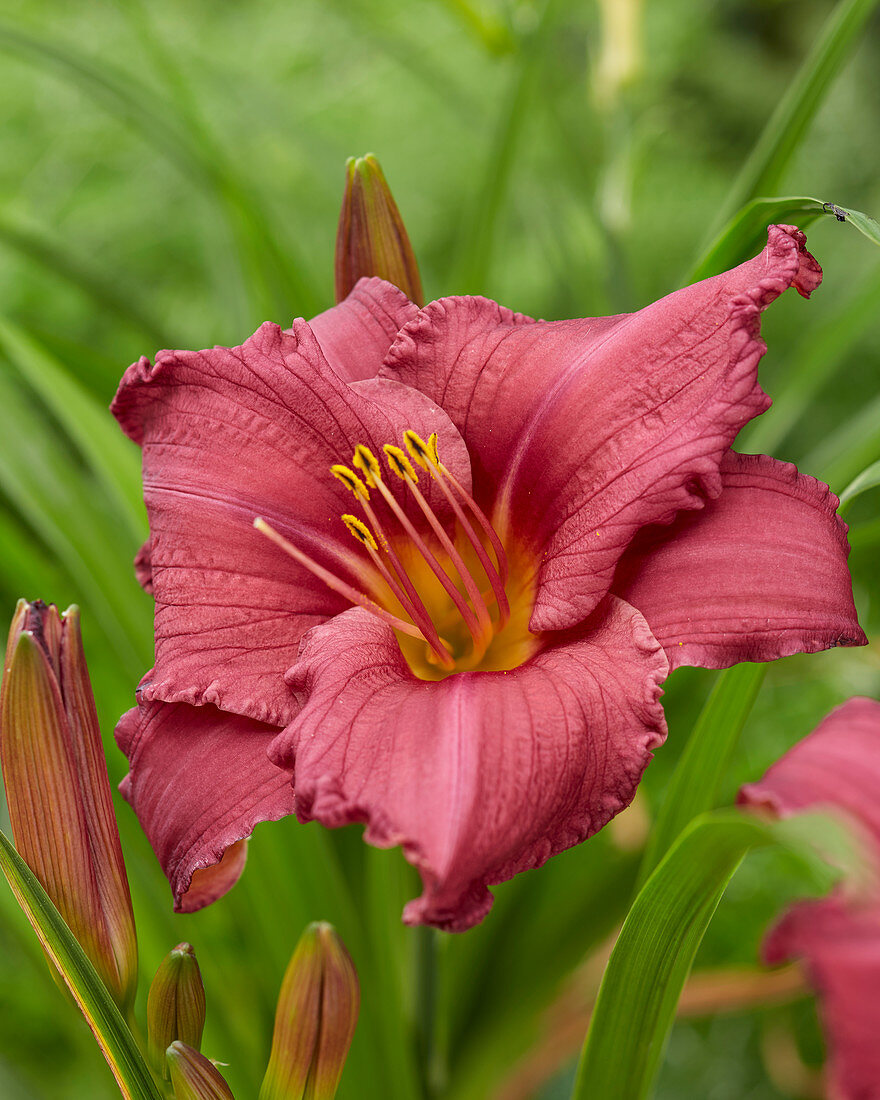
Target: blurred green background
[{"x": 170, "y": 175}]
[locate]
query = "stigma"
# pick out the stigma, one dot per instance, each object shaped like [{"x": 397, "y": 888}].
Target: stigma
[{"x": 440, "y": 585}]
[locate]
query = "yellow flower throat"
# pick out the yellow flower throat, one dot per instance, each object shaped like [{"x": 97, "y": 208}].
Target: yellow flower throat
[{"x": 453, "y": 601}]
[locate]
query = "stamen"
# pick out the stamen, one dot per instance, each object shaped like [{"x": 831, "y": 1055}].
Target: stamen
[
  {"x": 351, "y": 481},
  {"x": 360, "y": 531},
  {"x": 427, "y": 456},
  {"x": 334, "y": 582},
  {"x": 368, "y": 464},
  {"x": 476, "y": 629},
  {"x": 482, "y": 611},
  {"x": 399, "y": 463},
  {"x": 413, "y": 607}
]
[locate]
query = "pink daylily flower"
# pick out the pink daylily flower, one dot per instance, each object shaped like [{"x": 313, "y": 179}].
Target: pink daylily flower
[
  {"x": 836, "y": 767},
  {"x": 578, "y": 527}
]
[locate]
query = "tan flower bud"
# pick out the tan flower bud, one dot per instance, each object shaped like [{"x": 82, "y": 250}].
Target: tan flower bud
[
  {"x": 175, "y": 1005},
  {"x": 58, "y": 792},
  {"x": 372, "y": 239},
  {"x": 315, "y": 1019},
  {"x": 193, "y": 1076}
]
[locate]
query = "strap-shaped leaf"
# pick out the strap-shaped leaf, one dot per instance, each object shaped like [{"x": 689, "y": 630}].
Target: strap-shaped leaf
[
  {"x": 787, "y": 126},
  {"x": 103, "y": 1017},
  {"x": 696, "y": 782},
  {"x": 746, "y": 232},
  {"x": 660, "y": 936}
]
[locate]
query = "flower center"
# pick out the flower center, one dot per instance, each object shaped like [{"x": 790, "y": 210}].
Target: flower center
[{"x": 453, "y": 600}]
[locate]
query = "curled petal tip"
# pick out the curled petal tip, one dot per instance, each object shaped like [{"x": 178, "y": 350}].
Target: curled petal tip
[{"x": 372, "y": 239}]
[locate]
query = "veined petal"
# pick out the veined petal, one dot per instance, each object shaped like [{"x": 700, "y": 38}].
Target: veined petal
[
  {"x": 589, "y": 430},
  {"x": 837, "y": 766},
  {"x": 356, "y": 334},
  {"x": 759, "y": 573},
  {"x": 230, "y": 434},
  {"x": 483, "y": 774},
  {"x": 199, "y": 782}
]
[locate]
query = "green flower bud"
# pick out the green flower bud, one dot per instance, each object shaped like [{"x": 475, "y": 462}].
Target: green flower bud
[
  {"x": 57, "y": 789},
  {"x": 315, "y": 1019},
  {"x": 175, "y": 1005},
  {"x": 372, "y": 239},
  {"x": 193, "y": 1076}
]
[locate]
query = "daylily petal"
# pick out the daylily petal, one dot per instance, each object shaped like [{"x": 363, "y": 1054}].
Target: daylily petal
[
  {"x": 592, "y": 429},
  {"x": 838, "y": 767},
  {"x": 200, "y": 781},
  {"x": 229, "y": 435},
  {"x": 481, "y": 775},
  {"x": 356, "y": 334},
  {"x": 759, "y": 573}
]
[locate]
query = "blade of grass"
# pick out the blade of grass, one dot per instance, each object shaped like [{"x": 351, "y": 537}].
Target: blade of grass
[
  {"x": 849, "y": 449},
  {"x": 765, "y": 167},
  {"x": 97, "y": 1006},
  {"x": 867, "y": 479},
  {"x": 746, "y": 233},
  {"x": 61, "y": 503},
  {"x": 697, "y": 781},
  {"x": 478, "y": 232},
  {"x": 651, "y": 960},
  {"x": 114, "y": 461},
  {"x": 106, "y": 294}
]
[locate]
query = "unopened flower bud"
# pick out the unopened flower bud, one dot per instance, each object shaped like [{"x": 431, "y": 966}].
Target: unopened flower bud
[
  {"x": 57, "y": 789},
  {"x": 175, "y": 1005},
  {"x": 372, "y": 239},
  {"x": 193, "y": 1076},
  {"x": 315, "y": 1019}
]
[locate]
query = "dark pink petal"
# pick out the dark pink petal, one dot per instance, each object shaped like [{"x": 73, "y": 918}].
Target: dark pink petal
[
  {"x": 199, "y": 782},
  {"x": 592, "y": 429},
  {"x": 836, "y": 767},
  {"x": 483, "y": 774},
  {"x": 356, "y": 334},
  {"x": 757, "y": 574},
  {"x": 229, "y": 435}
]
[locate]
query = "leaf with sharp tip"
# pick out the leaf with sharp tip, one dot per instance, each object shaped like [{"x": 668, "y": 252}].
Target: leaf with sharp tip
[{"x": 103, "y": 1017}]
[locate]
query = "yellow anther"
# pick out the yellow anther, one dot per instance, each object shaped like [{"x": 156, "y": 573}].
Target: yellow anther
[
  {"x": 399, "y": 463},
  {"x": 350, "y": 480},
  {"x": 360, "y": 531},
  {"x": 368, "y": 464},
  {"x": 432, "y": 447},
  {"x": 417, "y": 448}
]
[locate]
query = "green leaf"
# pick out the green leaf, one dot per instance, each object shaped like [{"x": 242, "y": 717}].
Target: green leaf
[
  {"x": 867, "y": 479},
  {"x": 103, "y": 1017},
  {"x": 698, "y": 777},
  {"x": 659, "y": 939},
  {"x": 746, "y": 233},
  {"x": 764, "y": 169}
]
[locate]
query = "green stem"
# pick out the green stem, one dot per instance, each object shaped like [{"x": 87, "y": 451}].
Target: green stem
[{"x": 426, "y": 990}]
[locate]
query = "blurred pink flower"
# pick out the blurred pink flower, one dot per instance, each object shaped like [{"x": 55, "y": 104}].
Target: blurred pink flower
[
  {"x": 836, "y": 767},
  {"x": 593, "y": 527}
]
